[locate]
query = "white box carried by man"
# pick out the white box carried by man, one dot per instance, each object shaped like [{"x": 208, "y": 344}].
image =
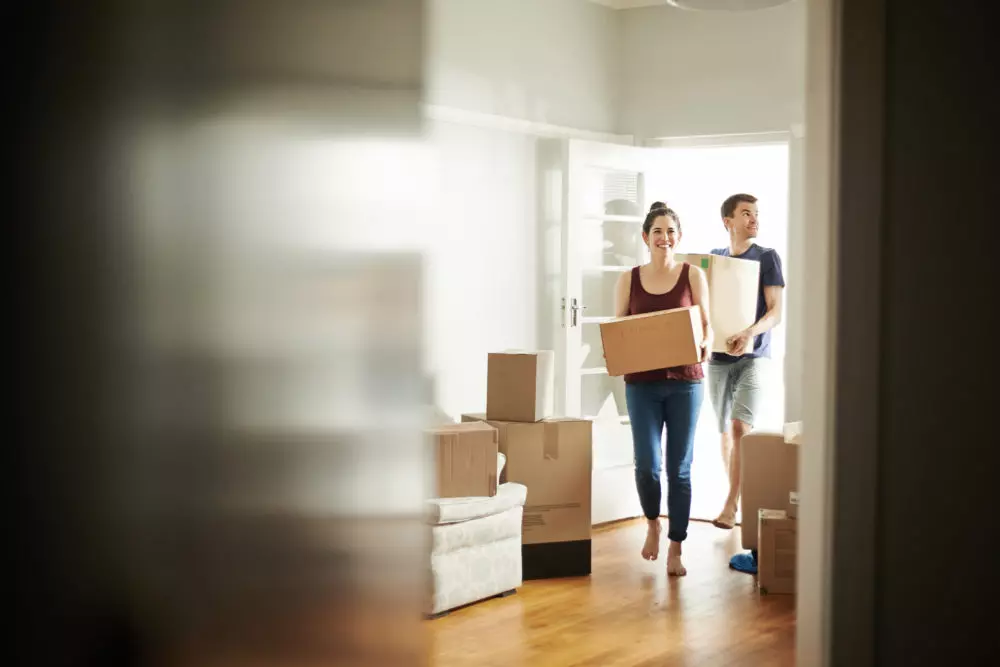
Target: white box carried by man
[{"x": 732, "y": 291}]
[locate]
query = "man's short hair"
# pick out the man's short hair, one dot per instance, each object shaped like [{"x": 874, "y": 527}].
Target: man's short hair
[{"x": 729, "y": 206}]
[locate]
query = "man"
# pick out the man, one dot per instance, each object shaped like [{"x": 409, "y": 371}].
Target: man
[{"x": 736, "y": 380}]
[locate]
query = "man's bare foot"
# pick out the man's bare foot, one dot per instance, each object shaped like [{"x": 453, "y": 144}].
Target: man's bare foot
[
  {"x": 675, "y": 568},
  {"x": 651, "y": 549},
  {"x": 727, "y": 518}
]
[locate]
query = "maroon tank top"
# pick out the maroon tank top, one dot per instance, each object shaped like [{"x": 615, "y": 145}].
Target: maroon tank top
[{"x": 640, "y": 301}]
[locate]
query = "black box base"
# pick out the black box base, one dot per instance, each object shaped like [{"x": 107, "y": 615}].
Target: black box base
[{"x": 556, "y": 559}]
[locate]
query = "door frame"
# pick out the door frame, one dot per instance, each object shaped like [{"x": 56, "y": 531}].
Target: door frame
[{"x": 845, "y": 164}]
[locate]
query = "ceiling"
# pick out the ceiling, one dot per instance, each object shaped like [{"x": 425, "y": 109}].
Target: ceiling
[
  {"x": 629, "y": 4},
  {"x": 703, "y": 5}
]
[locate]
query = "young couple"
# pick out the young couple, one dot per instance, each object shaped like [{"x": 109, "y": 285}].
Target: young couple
[{"x": 672, "y": 397}]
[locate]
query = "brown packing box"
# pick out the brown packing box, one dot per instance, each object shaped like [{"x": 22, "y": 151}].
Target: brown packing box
[
  {"x": 732, "y": 291},
  {"x": 664, "y": 339},
  {"x": 466, "y": 459},
  {"x": 554, "y": 460},
  {"x": 520, "y": 385},
  {"x": 769, "y": 468},
  {"x": 778, "y": 536}
]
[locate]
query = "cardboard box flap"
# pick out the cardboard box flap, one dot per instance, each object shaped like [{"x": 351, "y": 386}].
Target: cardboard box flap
[
  {"x": 772, "y": 515},
  {"x": 641, "y": 316},
  {"x": 463, "y": 427}
]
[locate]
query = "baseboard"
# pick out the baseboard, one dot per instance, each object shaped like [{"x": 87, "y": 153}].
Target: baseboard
[{"x": 552, "y": 560}]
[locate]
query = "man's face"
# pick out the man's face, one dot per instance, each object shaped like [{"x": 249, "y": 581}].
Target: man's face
[{"x": 743, "y": 224}]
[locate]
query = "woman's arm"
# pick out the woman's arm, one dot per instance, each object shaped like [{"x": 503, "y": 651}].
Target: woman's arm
[
  {"x": 699, "y": 293},
  {"x": 623, "y": 289}
]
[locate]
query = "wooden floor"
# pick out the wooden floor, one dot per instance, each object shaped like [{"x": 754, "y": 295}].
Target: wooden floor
[{"x": 628, "y": 612}]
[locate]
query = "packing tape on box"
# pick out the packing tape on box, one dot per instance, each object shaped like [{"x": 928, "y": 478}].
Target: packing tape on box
[{"x": 550, "y": 442}]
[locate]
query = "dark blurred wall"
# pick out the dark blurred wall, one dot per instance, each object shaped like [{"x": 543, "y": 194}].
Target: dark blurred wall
[{"x": 125, "y": 443}]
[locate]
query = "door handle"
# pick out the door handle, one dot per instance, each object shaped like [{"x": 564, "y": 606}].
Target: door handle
[{"x": 575, "y": 308}]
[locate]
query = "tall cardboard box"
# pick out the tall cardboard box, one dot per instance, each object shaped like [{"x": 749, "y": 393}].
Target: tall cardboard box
[
  {"x": 520, "y": 385},
  {"x": 465, "y": 459},
  {"x": 554, "y": 460},
  {"x": 778, "y": 539},
  {"x": 650, "y": 341},
  {"x": 769, "y": 466},
  {"x": 732, "y": 291}
]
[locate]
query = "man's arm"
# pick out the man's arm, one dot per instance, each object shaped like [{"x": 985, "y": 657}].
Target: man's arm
[
  {"x": 774, "y": 286},
  {"x": 772, "y": 318},
  {"x": 737, "y": 343}
]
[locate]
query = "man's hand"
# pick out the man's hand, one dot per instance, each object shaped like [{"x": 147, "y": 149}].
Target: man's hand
[{"x": 737, "y": 344}]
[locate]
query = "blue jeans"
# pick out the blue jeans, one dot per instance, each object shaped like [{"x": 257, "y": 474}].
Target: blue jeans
[{"x": 676, "y": 404}]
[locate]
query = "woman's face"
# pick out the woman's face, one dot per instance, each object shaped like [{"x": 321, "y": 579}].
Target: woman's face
[{"x": 663, "y": 236}]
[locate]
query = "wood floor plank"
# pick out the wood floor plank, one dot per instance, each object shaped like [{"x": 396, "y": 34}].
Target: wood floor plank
[{"x": 628, "y": 613}]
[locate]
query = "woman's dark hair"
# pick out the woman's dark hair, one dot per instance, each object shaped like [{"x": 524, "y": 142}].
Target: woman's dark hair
[{"x": 656, "y": 210}]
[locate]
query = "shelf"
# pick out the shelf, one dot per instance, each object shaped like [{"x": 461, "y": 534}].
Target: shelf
[
  {"x": 607, "y": 217},
  {"x": 595, "y": 320},
  {"x": 594, "y": 371}
]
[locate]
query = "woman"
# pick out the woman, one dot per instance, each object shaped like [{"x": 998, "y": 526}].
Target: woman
[{"x": 670, "y": 396}]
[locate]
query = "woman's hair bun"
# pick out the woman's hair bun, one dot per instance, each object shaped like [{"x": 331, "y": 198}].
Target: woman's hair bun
[{"x": 656, "y": 205}]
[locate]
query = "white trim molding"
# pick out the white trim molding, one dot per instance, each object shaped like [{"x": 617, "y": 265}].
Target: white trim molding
[
  {"x": 700, "y": 141},
  {"x": 520, "y": 126}
]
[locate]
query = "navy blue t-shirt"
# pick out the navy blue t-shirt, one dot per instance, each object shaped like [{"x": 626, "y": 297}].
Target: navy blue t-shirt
[{"x": 770, "y": 276}]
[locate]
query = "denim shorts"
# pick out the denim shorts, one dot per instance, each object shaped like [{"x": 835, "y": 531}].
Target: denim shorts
[{"x": 736, "y": 389}]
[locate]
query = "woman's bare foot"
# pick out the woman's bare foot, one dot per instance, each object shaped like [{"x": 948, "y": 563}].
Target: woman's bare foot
[
  {"x": 651, "y": 549},
  {"x": 727, "y": 518},
  {"x": 675, "y": 568}
]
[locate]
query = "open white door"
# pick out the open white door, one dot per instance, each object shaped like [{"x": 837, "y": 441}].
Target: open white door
[{"x": 603, "y": 205}]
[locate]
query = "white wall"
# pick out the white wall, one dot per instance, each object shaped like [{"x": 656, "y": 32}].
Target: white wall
[
  {"x": 544, "y": 61},
  {"x": 482, "y": 289},
  {"x": 689, "y": 73},
  {"x": 549, "y": 61}
]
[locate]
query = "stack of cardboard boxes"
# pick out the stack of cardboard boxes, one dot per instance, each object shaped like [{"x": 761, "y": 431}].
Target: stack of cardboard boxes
[
  {"x": 551, "y": 456},
  {"x": 770, "y": 498}
]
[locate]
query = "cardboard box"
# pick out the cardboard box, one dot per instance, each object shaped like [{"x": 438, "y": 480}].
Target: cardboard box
[
  {"x": 520, "y": 385},
  {"x": 778, "y": 537},
  {"x": 732, "y": 292},
  {"x": 554, "y": 460},
  {"x": 769, "y": 470},
  {"x": 465, "y": 459},
  {"x": 647, "y": 342}
]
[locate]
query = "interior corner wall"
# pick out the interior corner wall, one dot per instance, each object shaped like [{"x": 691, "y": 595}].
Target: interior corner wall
[
  {"x": 688, "y": 73},
  {"x": 547, "y": 61}
]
